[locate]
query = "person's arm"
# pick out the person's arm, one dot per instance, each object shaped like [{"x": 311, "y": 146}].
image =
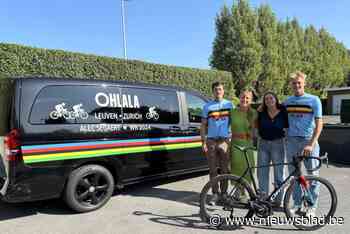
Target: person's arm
[
  {"x": 254, "y": 125},
  {"x": 232, "y": 107},
  {"x": 255, "y": 136},
  {"x": 318, "y": 128},
  {"x": 260, "y": 108},
  {"x": 317, "y": 132},
  {"x": 203, "y": 131},
  {"x": 258, "y": 120},
  {"x": 285, "y": 118}
]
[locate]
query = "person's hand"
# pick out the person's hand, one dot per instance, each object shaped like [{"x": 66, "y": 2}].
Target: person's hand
[
  {"x": 205, "y": 148},
  {"x": 260, "y": 108},
  {"x": 307, "y": 150},
  {"x": 255, "y": 142}
]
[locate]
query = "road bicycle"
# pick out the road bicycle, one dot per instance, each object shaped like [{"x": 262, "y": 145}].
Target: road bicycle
[{"x": 239, "y": 199}]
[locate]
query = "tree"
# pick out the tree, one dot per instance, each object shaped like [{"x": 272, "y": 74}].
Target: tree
[
  {"x": 244, "y": 48},
  {"x": 220, "y": 56},
  {"x": 331, "y": 73},
  {"x": 270, "y": 77},
  {"x": 312, "y": 61},
  {"x": 262, "y": 51}
]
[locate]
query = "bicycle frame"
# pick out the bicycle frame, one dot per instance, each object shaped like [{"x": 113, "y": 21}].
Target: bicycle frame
[{"x": 277, "y": 190}]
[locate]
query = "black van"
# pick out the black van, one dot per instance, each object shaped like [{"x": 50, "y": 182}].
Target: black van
[{"x": 81, "y": 139}]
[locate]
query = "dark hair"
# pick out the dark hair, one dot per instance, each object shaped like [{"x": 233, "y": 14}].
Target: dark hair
[
  {"x": 216, "y": 84},
  {"x": 278, "y": 104}
]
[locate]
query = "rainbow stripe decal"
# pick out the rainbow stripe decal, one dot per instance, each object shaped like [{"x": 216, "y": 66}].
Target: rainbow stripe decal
[{"x": 54, "y": 152}]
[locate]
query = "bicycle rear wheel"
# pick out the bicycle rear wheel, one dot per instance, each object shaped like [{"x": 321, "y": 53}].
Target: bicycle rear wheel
[
  {"x": 310, "y": 203},
  {"x": 233, "y": 194}
]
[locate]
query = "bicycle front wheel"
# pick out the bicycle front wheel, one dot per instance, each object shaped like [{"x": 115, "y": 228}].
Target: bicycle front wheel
[
  {"x": 310, "y": 202},
  {"x": 226, "y": 196}
]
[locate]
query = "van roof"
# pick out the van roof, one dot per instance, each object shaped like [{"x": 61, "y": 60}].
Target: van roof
[{"x": 87, "y": 81}]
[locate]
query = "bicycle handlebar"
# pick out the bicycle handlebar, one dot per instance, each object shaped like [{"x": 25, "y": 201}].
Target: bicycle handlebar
[
  {"x": 299, "y": 158},
  {"x": 320, "y": 158}
]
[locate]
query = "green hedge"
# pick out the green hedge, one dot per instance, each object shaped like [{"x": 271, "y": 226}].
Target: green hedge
[
  {"x": 24, "y": 61},
  {"x": 17, "y": 60}
]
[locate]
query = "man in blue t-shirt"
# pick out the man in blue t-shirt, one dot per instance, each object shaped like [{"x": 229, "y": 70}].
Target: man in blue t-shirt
[
  {"x": 305, "y": 126},
  {"x": 215, "y": 134}
]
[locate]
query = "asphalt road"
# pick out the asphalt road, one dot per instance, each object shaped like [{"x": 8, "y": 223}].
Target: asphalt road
[{"x": 168, "y": 206}]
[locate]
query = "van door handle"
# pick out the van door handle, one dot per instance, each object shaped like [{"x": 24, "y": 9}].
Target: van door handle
[
  {"x": 174, "y": 128},
  {"x": 193, "y": 128}
]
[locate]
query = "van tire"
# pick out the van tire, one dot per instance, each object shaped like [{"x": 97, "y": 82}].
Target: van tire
[{"x": 88, "y": 188}]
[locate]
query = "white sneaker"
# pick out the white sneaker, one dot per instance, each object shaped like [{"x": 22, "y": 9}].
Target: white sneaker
[
  {"x": 295, "y": 209},
  {"x": 311, "y": 212},
  {"x": 214, "y": 199}
]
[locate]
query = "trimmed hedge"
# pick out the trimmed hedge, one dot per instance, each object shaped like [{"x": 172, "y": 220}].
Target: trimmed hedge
[
  {"x": 17, "y": 60},
  {"x": 24, "y": 61}
]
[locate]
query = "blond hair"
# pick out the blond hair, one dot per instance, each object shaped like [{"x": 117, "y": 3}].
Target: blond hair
[
  {"x": 297, "y": 74},
  {"x": 247, "y": 90}
]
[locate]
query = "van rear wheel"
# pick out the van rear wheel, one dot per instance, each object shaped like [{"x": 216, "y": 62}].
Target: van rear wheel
[{"x": 88, "y": 188}]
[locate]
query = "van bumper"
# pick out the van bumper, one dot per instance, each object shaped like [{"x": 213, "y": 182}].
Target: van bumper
[{"x": 23, "y": 193}]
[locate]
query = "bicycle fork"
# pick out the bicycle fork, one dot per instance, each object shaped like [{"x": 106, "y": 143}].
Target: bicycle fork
[{"x": 305, "y": 188}]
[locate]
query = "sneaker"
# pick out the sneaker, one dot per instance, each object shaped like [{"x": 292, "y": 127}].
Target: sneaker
[
  {"x": 240, "y": 195},
  {"x": 214, "y": 199},
  {"x": 295, "y": 210},
  {"x": 223, "y": 200},
  {"x": 228, "y": 201},
  {"x": 311, "y": 212},
  {"x": 223, "y": 197}
]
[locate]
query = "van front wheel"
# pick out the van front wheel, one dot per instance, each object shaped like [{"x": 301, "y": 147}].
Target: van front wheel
[{"x": 89, "y": 188}]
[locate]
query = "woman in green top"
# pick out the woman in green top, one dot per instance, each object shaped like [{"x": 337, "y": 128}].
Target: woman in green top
[{"x": 243, "y": 123}]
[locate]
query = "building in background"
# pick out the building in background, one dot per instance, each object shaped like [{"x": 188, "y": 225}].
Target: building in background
[{"x": 335, "y": 97}]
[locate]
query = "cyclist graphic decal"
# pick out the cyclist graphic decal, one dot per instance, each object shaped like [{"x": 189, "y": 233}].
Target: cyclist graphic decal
[
  {"x": 152, "y": 114},
  {"x": 62, "y": 112}
]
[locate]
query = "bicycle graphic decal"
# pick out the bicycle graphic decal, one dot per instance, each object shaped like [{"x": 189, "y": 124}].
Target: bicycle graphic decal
[
  {"x": 62, "y": 112},
  {"x": 152, "y": 114}
]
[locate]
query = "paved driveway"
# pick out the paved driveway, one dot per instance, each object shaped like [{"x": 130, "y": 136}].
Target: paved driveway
[{"x": 169, "y": 206}]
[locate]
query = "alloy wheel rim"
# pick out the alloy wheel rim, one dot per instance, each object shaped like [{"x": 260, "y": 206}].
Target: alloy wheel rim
[{"x": 92, "y": 189}]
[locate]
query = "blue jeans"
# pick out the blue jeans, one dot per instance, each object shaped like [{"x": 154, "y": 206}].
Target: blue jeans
[
  {"x": 295, "y": 146},
  {"x": 271, "y": 151}
]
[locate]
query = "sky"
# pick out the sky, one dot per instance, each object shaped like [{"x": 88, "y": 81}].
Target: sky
[{"x": 173, "y": 32}]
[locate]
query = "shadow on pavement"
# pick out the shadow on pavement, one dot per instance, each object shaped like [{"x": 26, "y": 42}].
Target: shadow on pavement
[
  {"x": 150, "y": 189},
  {"x": 186, "y": 221},
  {"x": 18, "y": 210},
  {"x": 58, "y": 207},
  {"x": 194, "y": 222}
]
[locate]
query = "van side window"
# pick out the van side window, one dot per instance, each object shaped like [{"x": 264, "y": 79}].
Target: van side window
[
  {"x": 77, "y": 104},
  {"x": 151, "y": 106},
  {"x": 195, "y": 106}
]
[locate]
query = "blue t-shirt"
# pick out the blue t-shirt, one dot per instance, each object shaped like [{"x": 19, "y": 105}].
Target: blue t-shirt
[
  {"x": 218, "y": 115},
  {"x": 302, "y": 111}
]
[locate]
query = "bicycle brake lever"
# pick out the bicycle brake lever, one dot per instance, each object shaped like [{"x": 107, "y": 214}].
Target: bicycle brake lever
[{"x": 325, "y": 156}]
